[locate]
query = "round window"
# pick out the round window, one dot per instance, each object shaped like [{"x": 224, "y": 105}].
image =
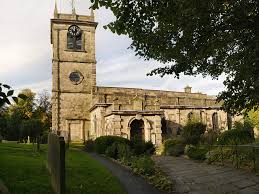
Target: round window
[{"x": 76, "y": 77}]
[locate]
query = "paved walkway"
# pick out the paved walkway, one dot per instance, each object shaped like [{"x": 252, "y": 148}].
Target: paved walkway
[
  {"x": 3, "y": 189},
  {"x": 132, "y": 183},
  {"x": 193, "y": 177}
]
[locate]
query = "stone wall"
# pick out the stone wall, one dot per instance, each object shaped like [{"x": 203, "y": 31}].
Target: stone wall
[
  {"x": 71, "y": 101},
  {"x": 125, "y": 98},
  {"x": 118, "y": 124}
]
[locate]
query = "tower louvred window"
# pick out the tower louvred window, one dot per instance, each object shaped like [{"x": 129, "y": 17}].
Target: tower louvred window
[{"x": 74, "y": 38}]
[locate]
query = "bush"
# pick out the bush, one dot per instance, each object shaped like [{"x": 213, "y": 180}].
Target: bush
[
  {"x": 195, "y": 152},
  {"x": 119, "y": 151},
  {"x": 210, "y": 137},
  {"x": 249, "y": 126},
  {"x": 143, "y": 165},
  {"x": 149, "y": 148},
  {"x": 124, "y": 152},
  {"x": 1, "y": 138},
  {"x": 237, "y": 155},
  {"x": 112, "y": 151},
  {"x": 142, "y": 147},
  {"x": 235, "y": 137},
  {"x": 102, "y": 143},
  {"x": 192, "y": 132},
  {"x": 89, "y": 145},
  {"x": 173, "y": 147},
  {"x": 220, "y": 153}
]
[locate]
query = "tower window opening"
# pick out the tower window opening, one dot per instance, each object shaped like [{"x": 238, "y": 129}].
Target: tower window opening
[{"x": 74, "y": 38}]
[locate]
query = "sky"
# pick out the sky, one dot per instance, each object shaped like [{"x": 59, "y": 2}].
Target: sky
[{"x": 25, "y": 51}]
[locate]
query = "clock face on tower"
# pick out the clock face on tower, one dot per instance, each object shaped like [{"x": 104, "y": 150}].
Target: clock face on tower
[{"x": 74, "y": 31}]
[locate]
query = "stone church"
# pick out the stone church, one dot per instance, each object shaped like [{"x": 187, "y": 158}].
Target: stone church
[{"x": 81, "y": 110}]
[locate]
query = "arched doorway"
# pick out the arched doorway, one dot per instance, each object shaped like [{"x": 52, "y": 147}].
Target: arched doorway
[{"x": 137, "y": 130}]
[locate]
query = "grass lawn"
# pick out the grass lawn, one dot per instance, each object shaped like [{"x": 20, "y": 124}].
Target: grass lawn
[{"x": 23, "y": 171}]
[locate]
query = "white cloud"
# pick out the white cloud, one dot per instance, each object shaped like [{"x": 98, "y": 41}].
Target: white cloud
[
  {"x": 36, "y": 87},
  {"x": 26, "y": 51},
  {"x": 131, "y": 71}
]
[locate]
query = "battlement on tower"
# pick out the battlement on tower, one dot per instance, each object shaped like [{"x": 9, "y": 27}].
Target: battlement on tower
[{"x": 74, "y": 17}]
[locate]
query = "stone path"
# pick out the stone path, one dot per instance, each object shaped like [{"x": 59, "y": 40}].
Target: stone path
[
  {"x": 194, "y": 177},
  {"x": 131, "y": 183},
  {"x": 3, "y": 189}
]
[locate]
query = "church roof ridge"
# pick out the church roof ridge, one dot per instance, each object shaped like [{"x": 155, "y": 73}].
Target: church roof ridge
[{"x": 155, "y": 90}]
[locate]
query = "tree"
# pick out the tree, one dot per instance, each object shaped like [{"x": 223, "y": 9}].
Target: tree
[
  {"x": 253, "y": 116},
  {"x": 43, "y": 109},
  {"x": 24, "y": 106},
  {"x": 18, "y": 112},
  {"x": 27, "y": 117},
  {"x": 3, "y": 122},
  {"x": 193, "y": 131},
  {"x": 210, "y": 37},
  {"x": 32, "y": 128},
  {"x": 6, "y": 93}
]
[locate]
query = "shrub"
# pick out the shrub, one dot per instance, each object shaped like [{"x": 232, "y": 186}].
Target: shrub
[
  {"x": 192, "y": 132},
  {"x": 142, "y": 147},
  {"x": 112, "y": 151},
  {"x": 237, "y": 155},
  {"x": 143, "y": 165},
  {"x": 249, "y": 126},
  {"x": 210, "y": 137},
  {"x": 1, "y": 138},
  {"x": 195, "y": 152},
  {"x": 119, "y": 151},
  {"x": 235, "y": 137},
  {"x": 124, "y": 152},
  {"x": 173, "y": 147},
  {"x": 149, "y": 148},
  {"x": 217, "y": 154},
  {"x": 102, "y": 143},
  {"x": 89, "y": 145}
]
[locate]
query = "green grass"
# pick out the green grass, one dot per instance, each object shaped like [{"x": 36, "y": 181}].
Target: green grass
[
  {"x": 24, "y": 172},
  {"x": 86, "y": 175}
]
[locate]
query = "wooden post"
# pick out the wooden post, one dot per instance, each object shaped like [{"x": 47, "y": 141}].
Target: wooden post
[{"x": 56, "y": 162}]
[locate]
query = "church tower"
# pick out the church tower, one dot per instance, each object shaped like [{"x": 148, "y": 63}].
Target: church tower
[{"x": 73, "y": 73}]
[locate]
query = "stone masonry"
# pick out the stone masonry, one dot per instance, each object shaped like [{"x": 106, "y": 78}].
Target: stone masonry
[{"x": 81, "y": 110}]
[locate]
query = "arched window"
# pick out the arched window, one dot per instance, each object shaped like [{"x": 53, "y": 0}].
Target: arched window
[
  {"x": 74, "y": 38},
  {"x": 190, "y": 116},
  {"x": 215, "y": 121},
  {"x": 229, "y": 121},
  {"x": 203, "y": 117},
  {"x": 95, "y": 124}
]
